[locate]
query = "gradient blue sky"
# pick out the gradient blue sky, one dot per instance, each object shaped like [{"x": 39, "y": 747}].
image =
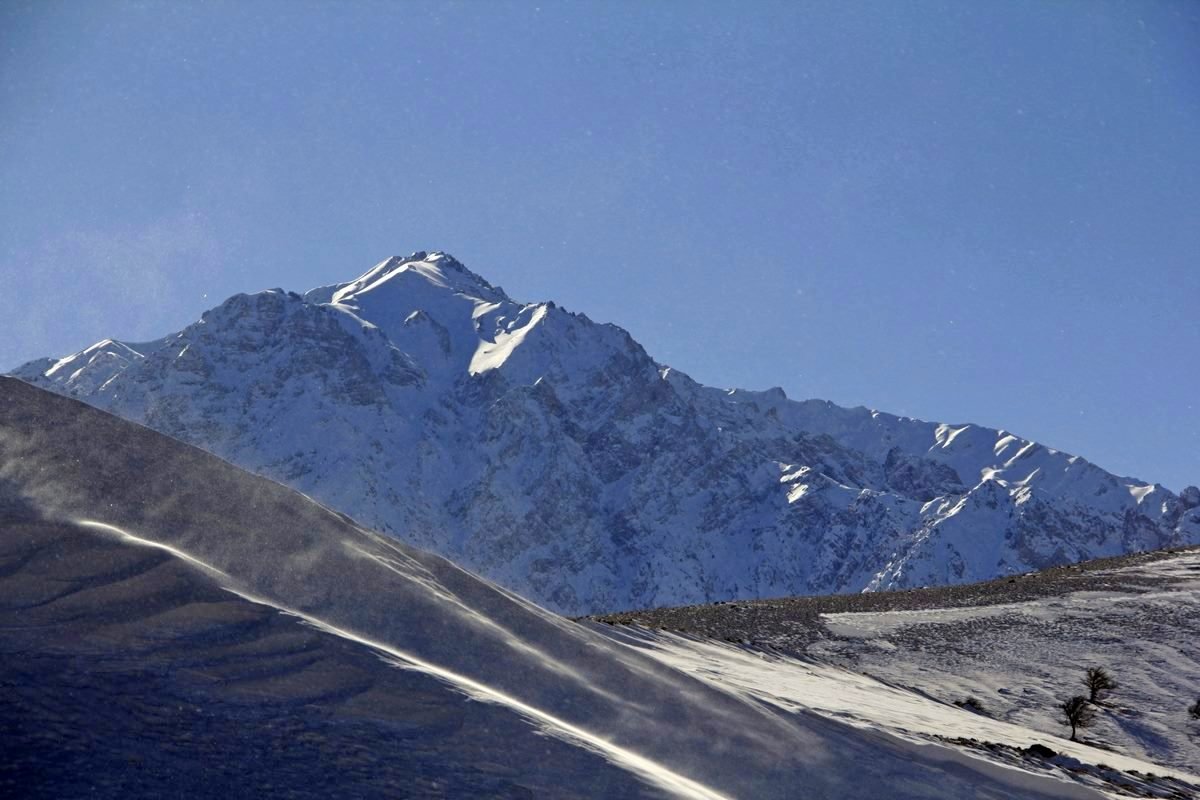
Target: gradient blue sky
[{"x": 962, "y": 211}]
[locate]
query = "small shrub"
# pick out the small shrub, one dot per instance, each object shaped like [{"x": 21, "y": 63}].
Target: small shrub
[
  {"x": 1099, "y": 684},
  {"x": 1078, "y": 713}
]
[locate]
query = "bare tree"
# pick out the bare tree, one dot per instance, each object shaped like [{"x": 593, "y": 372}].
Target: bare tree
[
  {"x": 1078, "y": 713},
  {"x": 1099, "y": 684}
]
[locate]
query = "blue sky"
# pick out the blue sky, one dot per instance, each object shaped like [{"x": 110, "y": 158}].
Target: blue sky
[{"x": 984, "y": 211}]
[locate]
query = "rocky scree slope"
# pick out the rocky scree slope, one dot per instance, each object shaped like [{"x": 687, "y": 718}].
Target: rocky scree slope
[{"x": 553, "y": 455}]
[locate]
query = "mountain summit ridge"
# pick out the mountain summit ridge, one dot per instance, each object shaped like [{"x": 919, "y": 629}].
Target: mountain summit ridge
[{"x": 555, "y": 456}]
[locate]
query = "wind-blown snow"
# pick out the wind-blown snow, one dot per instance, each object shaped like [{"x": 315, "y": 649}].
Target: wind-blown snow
[
  {"x": 125, "y": 536},
  {"x": 653, "y": 772}
]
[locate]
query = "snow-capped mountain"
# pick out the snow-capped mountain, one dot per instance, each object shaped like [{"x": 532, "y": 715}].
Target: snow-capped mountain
[{"x": 553, "y": 455}]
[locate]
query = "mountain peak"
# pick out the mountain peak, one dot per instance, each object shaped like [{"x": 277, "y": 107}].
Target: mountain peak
[{"x": 438, "y": 269}]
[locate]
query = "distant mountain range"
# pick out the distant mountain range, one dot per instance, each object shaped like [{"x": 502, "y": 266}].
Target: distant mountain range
[{"x": 553, "y": 455}]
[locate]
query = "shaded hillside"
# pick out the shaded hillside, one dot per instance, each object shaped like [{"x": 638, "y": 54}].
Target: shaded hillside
[{"x": 126, "y": 672}]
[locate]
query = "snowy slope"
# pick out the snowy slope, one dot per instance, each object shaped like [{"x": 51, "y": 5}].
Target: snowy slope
[
  {"x": 1017, "y": 646},
  {"x": 255, "y": 612},
  {"x": 794, "y": 683},
  {"x": 553, "y": 455},
  {"x": 1021, "y": 658}
]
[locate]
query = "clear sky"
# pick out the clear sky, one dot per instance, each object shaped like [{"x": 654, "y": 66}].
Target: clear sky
[{"x": 962, "y": 211}]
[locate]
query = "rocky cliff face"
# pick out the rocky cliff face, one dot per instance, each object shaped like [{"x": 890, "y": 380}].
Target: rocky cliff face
[{"x": 554, "y": 456}]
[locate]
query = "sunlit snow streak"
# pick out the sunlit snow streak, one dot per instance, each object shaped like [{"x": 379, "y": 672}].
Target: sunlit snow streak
[
  {"x": 638, "y": 764},
  {"x": 511, "y": 639},
  {"x": 129, "y": 537}
]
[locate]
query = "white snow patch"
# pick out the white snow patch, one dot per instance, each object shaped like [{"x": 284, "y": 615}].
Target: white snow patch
[
  {"x": 1140, "y": 493},
  {"x": 492, "y": 355},
  {"x": 945, "y": 434}
]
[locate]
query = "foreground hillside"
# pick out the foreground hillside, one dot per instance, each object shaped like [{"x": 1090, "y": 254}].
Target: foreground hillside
[
  {"x": 1017, "y": 646},
  {"x": 172, "y": 626},
  {"x": 128, "y": 673},
  {"x": 554, "y": 456}
]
